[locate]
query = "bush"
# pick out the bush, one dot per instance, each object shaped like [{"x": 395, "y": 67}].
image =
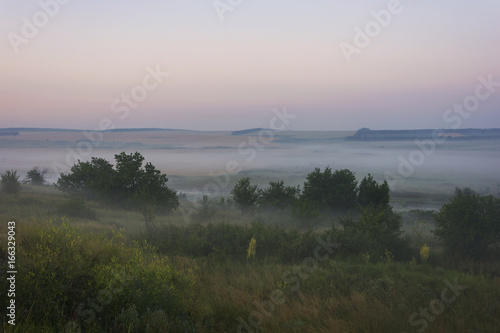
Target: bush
[
  {"x": 94, "y": 280},
  {"x": 375, "y": 232},
  {"x": 9, "y": 180},
  {"x": 36, "y": 176},
  {"x": 469, "y": 224},
  {"x": 306, "y": 213},
  {"x": 223, "y": 241},
  {"x": 245, "y": 195}
]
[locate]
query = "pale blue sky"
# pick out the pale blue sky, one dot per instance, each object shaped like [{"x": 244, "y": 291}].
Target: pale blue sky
[{"x": 230, "y": 74}]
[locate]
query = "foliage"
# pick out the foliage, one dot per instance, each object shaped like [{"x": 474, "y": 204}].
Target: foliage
[
  {"x": 93, "y": 180},
  {"x": 306, "y": 213},
  {"x": 147, "y": 207},
  {"x": 333, "y": 190},
  {"x": 279, "y": 196},
  {"x": 345, "y": 190},
  {"x": 76, "y": 208},
  {"x": 130, "y": 179},
  {"x": 317, "y": 187},
  {"x": 245, "y": 195},
  {"x": 128, "y": 183},
  {"x": 223, "y": 241},
  {"x": 469, "y": 225},
  {"x": 373, "y": 193},
  {"x": 9, "y": 181},
  {"x": 36, "y": 176},
  {"x": 65, "y": 273},
  {"x": 376, "y": 231}
]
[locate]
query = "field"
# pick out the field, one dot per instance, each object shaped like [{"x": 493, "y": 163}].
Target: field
[{"x": 285, "y": 287}]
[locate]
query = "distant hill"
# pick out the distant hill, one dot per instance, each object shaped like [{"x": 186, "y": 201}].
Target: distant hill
[
  {"x": 144, "y": 129},
  {"x": 8, "y": 133},
  {"x": 250, "y": 131},
  {"x": 366, "y": 134},
  {"x": 35, "y": 129}
]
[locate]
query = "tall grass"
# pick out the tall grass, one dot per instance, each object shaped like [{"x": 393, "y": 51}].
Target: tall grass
[{"x": 86, "y": 275}]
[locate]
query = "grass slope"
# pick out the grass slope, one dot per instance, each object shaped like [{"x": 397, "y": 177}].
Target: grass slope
[{"x": 219, "y": 292}]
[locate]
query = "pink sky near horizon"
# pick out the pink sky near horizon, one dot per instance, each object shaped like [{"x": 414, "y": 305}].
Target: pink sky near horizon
[{"x": 226, "y": 75}]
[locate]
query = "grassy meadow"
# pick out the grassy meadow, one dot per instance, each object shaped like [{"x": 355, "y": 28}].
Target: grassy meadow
[{"x": 195, "y": 275}]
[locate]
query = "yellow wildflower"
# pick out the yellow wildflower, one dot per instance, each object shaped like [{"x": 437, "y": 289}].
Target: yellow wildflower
[
  {"x": 251, "y": 248},
  {"x": 424, "y": 253}
]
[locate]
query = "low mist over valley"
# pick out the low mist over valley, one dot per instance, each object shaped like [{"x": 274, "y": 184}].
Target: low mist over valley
[{"x": 413, "y": 165}]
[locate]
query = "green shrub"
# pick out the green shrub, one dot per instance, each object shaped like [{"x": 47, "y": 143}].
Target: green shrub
[
  {"x": 469, "y": 225},
  {"x": 223, "y": 241},
  {"x": 306, "y": 213},
  {"x": 375, "y": 232},
  {"x": 245, "y": 196},
  {"x": 9, "y": 181},
  {"x": 36, "y": 176},
  {"x": 64, "y": 273}
]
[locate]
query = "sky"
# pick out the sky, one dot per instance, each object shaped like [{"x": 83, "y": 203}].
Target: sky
[{"x": 227, "y": 64}]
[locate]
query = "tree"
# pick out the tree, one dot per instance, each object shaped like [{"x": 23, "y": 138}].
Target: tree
[
  {"x": 9, "y": 181},
  {"x": 279, "y": 196},
  {"x": 317, "y": 187},
  {"x": 245, "y": 195},
  {"x": 469, "y": 224},
  {"x": 128, "y": 183},
  {"x": 334, "y": 190},
  {"x": 345, "y": 190},
  {"x": 128, "y": 177},
  {"x": 376, "y": 231},
  {"x": 147, "y": 207},
  {"x": 92, "y": 180},
  {"x": 36, "y": 176},
  {"x": 373, "y": 193}
]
